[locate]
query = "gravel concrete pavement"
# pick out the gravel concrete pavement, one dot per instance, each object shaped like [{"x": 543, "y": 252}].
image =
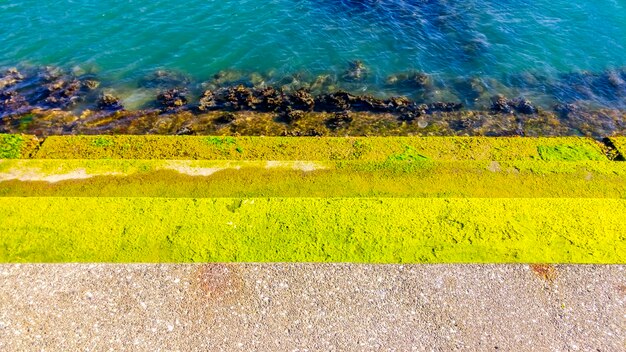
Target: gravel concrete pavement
[{"x": 312, "y": 307}]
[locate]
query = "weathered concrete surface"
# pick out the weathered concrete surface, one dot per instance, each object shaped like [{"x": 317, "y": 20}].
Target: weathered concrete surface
[{"x": 297, "y": 307}]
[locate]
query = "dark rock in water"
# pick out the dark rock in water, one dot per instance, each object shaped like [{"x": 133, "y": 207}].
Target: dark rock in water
[
  {"x": 91, "y": 84},
  {"x": 399, "y": 103},
  {"x": 356, "y": 72},
  {"x": 501, "y": 104},
  {"x": 238, "y": 98},
  {"x": 412, "y": 79},
  {"x": 524, "y": 106},
  {"x": 338, "y": 101},
  {"x": 444, "y": 106},
  {"x": 172, "y": 99},
  {"x": 10, "y": 77},
  {"x": 11, "y": 102},
  {"x": 62, "y": 93},
  {"x": 163, "y": 79},
  {"x": 109, "y": 102},
  {"x": 564, "y": 110},
  {"x": 270, "y": 99},
  {"x": 369, "y": 103},
  {"x": 293, "y": 115},
  {"x": 302, "y": 100},
  {"x": 207, "y": 101},
  {"x": 226, "y": 118},
  {"x": 340, "y": 120}
]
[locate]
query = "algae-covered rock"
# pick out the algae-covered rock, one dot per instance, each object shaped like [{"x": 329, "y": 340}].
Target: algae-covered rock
[
  {"x": 172, "y": 99},
  {"x": 337, "y": 101},
  {"x": 109, "y": 102},
  {"x": 302, "y": 100},
  {"x": 207, "y": 101}
]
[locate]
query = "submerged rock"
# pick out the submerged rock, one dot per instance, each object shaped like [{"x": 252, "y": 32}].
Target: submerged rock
[
  {"x": 357, "y": 71},
  {"x": 91, "y": 84},
  {"x": 411, "y": 79},
  {"x": 51, "y": 73},
  {"x": 11, "y": 102},
  {"x": 227, "y": 78},
  {"x": 62, "y": 93},
  {"x": 471, "y": 90},
  {"x": 164, "y": 79},
  {"x": 564, "y": 110},
  {"x": 323, "y": 84},
  {"x": 501, "y": 104},
  {"x": 524, "y": 106},
  {"x": 10, "y": 77},
  {"x": 172, "y": 99},
  {"x": 109, "y": 102},
  {"x": 444, "y": 106}
]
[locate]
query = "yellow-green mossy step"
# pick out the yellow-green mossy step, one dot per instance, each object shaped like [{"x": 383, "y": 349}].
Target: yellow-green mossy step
[
  {"x": 320, "y": 148},
  {"x": 360, "y": 230},
  {"x": 240, "y": 178}
]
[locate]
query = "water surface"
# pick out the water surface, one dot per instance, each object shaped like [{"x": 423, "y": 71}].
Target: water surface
[{"x": 538, "y": 49}]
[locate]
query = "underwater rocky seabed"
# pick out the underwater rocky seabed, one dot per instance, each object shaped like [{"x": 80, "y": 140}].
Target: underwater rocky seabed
[{"x": 46, "y": 100}]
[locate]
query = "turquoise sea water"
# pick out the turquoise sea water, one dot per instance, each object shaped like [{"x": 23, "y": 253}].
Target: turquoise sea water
[{"x": 520, "y": 47}]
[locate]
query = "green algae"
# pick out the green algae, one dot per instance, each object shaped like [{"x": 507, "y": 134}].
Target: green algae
[
  {"x": 214, "y": 178},
  {"x": 365, "y": 230},
  {"x": 409, "y": 154},
  {"x": 315, "y": 148},
  {"x": 10, "y": 146},
  {"x": 569, "y": 153},
  {"x": 15, "y": 146}
]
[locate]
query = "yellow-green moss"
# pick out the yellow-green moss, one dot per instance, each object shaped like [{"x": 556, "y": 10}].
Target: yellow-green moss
[
  {"x": 569, "y": 152},
  {"x": 16, "y": 146},
  {"x": 316, "y": 148},
  {"x": 158, "y": 178},
  {"x": 371, "y": 230}
]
